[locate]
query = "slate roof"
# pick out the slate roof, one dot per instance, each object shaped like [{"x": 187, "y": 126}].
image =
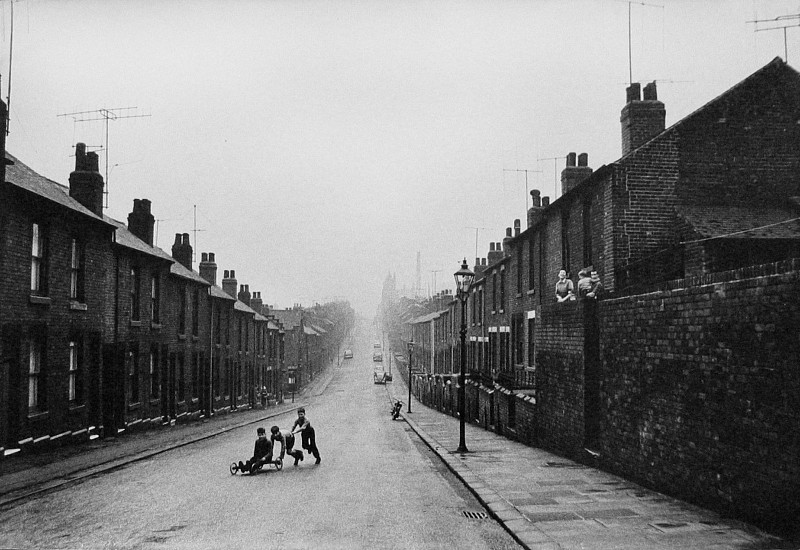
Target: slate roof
[
  {"x": 427, "y": 318},
  {"x": 217, "y": 292},
  {"x": 290, "y": 318},
  {"x": 739, "y": 222},
  {"x": 179, "y": 270},
  {"x": 124, "y": 237},
  {"x": 238, "y": 305},
  {"x": 22, "y": 176}
]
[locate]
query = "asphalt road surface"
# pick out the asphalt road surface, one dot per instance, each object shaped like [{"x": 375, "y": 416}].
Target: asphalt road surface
[{"x": 378, "y": 486}]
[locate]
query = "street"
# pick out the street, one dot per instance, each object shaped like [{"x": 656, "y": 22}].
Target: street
[{"x": 378, "y": 486}]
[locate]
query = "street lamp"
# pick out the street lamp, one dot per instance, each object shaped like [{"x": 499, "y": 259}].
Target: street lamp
[
  {"x": 410, "y": 358},
  {"x": 464, "y": 278}
]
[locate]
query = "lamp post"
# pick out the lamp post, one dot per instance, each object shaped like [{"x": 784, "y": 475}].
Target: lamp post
[
  {"x": 410, "y": 359},
  {"x": 464, "y": 278}
]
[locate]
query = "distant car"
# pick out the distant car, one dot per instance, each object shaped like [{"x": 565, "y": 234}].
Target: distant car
[
  {"x": 348, "y": 354},
  {"x": 377, "y": 345},
  {"x": 377, "y": 356},
  {"x": 379, "y": 377}
]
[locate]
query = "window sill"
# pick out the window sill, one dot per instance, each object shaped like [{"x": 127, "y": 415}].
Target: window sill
[
  {"x": 135, "y": 323},
  {"x": 181, "y": 337},
  {"x": 156, "y": 326},
  {"x": 154, "y": 401},
  {"x": 134, "y": 406},
  {"x": 217, "y": 346},
  {"x": 38, "y": 415},
  {"x": 195, "y": 400},
  {"x": 181, "y": 403},
  {"x": 195, "y": 338},
  {"x": 40, "y": 300},
  {"x": 74, "y": 305},
  {"x": 519, "y": 295},
  {"x": 531, "y": 292},
  {"x": 77, "y": 408}
]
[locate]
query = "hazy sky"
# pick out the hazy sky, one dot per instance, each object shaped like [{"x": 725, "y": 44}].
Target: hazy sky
[{"x": 325, "y": 143}]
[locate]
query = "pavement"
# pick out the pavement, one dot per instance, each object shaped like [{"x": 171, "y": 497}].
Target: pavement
[
  {"x": 543, "y": 500},
  {"x": 548, "y": 502}
]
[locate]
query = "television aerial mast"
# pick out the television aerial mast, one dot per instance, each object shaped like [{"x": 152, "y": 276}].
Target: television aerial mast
[{"x": 106, "y": 115}]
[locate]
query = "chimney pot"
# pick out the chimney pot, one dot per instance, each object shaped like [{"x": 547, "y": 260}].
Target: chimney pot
[
  {"x": 211, "y": 257},
  {"x": 226, "y": 274},
  {"x": 633, "y": 92},
  {"x": 508, "y": 232},
  {"x": 491, "y": 247},
  {"x": 583, "y": 159},
  {"x": 233, "y": 274},
  {"x": 204, "y": 257},
  {"x": 545, "y": 202},
  {"x": 570, "y": 159},
  {"x": 186, "y": 238},
  {"x": 178, "y": 240},
  {"x": 650, "y": 93}
]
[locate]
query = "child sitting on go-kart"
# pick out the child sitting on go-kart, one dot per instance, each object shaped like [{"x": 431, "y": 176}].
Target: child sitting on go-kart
[{"x": 262, "y": 453}]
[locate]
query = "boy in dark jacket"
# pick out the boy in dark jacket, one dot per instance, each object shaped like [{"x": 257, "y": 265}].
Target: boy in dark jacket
[{"x": 262, "y": 452}]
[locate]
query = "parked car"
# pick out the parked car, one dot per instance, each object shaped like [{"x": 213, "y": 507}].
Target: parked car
[
  {"x": 348, "y": 354},
  {"x": 376, "y": 345},
  {"x": 377, "y": 356},
  {"x": 379, "y": 377}
]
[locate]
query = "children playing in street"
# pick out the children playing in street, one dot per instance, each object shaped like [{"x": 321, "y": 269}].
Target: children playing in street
[{"x": 307, "y": 434}]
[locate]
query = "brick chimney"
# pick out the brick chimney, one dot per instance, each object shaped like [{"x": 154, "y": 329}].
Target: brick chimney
[
  {"x": 244, "y": 294},
  {"x": 182, "y": 250},
  {"x": 572, "y": 175},
  {"x": 141, "y": 221},
  {"x": 86, "y": 183},
  {"x": 256, "y": 303},
  {"x": 641, "y": 119},
  {"x": 229, "y": 283},
  {"x": 535, "y": 211},
  {"x": 208, "y": 267},
  {"x": 507, "y": 238},
  {"x": 495, "y": 253}
]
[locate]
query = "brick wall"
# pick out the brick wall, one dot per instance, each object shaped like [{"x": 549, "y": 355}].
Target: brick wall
[
  {"x": 559, "y": 376},
  {"x": 700, "y": 391}
]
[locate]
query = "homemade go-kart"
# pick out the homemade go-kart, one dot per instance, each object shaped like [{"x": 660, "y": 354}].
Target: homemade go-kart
[{"x": 258, "y": 466}]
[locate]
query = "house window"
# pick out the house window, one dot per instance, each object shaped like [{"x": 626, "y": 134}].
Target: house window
[
  {"x": 181, "y": 309},
  {"x": 587, "y": 231},
  {"x": 135, "y": 293},
  {"x": 565, "y": 260},
  {"x": 541, "y": 265},
  {"x": 196, "y": 312},
  {"x": 502, "y": 289},
  {"x": 133, "y": 374},
  {"x": 494, "y": 291},
  {"x": 154, "y": 374},
  {"x": 38, "y": 261},
  {"x": 76, "y": 271},
  {"x": 241, "y": 334},
  {"x": 36, "y": 379},
  {"x": 519, "y": 267},
  {"x": 155, "y": 299},
  {"x": 75, "y": 373},
  {"x": 518, "y": 343},
  {"x": 531, "y": 264}
]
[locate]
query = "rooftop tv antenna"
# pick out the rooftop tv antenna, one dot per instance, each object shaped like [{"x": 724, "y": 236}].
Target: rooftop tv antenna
[
  {"x": 10, "y": 57},
  {"x": 434, "y": 271},
  {"x": 195, "y": 230},
  {"x": 630, "y": 47},
  {"x": 781, "y": 22},
  {"x": 105, "y": 114},
  {"x": 555, "y": 173},
  {"x": 526, "y": 181},
  {"x": 476, "y": 236}
]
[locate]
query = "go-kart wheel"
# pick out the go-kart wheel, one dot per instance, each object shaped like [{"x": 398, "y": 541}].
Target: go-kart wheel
[
  {"x": 278, "y": 464},
  {"x": 234, "y": 468}
]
